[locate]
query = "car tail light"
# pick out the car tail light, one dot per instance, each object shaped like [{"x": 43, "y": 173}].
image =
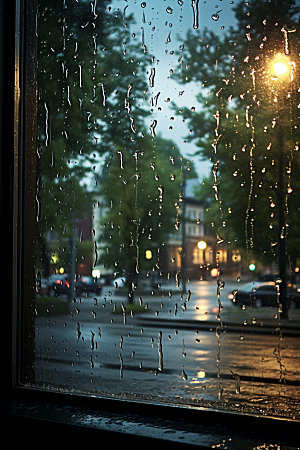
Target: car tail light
[{"x": 58, "y": 282}]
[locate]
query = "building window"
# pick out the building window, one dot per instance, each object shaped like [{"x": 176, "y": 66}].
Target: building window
[
  {"x": 236, "y": 257},
  {"x": 222, "y": 256},
  {"x": 116, "y": 97}
]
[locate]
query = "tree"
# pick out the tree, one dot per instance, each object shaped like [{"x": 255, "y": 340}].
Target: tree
[
  {"x": 89, "y": 88},
  {"x": 246, "y": 112},
  {"x": 141, "y": 193}
]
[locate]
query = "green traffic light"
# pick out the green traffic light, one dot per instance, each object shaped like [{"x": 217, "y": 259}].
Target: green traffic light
[{"x": 252, "y": 267}]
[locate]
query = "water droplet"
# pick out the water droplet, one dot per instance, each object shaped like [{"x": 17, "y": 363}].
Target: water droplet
[
  {"x": 196, "y": 14},
  {"x": 168, "y": 38},
  {"x": 132, "y": 125},
  {"x": 169, "y": 10},
  {"x": 143, "y": 4},
  {"x": 38, "y": 282},
  {"x": 160, "y": 353},
  {"x": 216, "y": 15},
  {"x": 151, "y": 77},
  {"x": 152, "y": 127}
]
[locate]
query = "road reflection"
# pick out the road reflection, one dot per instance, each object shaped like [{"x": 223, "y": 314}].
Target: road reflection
[{"x": 155, "y": 348}]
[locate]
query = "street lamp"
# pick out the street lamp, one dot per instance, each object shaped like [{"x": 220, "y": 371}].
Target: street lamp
[
  {"x": 202, "y": 245},
  {"x": 281, "y": 67}
]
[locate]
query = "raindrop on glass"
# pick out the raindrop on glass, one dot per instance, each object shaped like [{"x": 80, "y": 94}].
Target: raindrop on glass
[
  {"x": 196, "y": 14},
  {"x": 216, "y": 16}
]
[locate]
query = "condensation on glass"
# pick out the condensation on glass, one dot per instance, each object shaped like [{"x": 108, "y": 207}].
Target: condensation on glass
[{"x": 167, "y": 210}]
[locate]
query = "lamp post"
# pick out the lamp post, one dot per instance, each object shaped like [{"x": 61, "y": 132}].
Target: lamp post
[{"x": 280, "y": 67}]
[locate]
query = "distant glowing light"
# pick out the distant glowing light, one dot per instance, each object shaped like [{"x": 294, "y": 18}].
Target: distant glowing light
[
  {"x": 202, "y": 245},
  {"x": 148, "y": 254},
  {"x": 201, "y": 374},
  {"x": 54, "y": 259},
  {"x": 280, "y": 68},
  {"x": 214, "y": 272},
  {"x": 96, "y": 273}
]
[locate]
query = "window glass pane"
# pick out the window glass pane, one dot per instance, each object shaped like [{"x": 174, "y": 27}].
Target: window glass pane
[{"x": 167, "y": 161}]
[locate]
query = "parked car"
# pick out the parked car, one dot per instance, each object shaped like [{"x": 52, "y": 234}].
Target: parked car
[
  {"x": 58, "y": 284},
  {"x": 86, "y": 284},
  {"x": 259, "y": 294}
]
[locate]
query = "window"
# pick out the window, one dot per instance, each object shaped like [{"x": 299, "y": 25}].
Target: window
[{"x": 117, "y": 97}]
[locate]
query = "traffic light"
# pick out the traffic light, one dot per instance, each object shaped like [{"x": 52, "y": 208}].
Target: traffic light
[{"x": 252, "y": 267}]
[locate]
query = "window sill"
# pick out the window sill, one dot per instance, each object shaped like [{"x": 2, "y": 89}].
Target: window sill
[{"x": 79, "y": 417}]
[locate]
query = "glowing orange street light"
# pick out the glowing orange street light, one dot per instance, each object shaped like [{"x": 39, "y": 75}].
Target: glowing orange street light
[
  {"x": 214, "y": 272},
  {"x": 280, "y": 68},
  {"x": 202, "y": 245}
]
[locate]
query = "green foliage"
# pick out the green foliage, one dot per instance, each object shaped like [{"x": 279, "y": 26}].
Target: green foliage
[
  {"x": 247, "y": 126},
  {"x": 89, "y": 96},
  {"x": 140, "y": 191}
]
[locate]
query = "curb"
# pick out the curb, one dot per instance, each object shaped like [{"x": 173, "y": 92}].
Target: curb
[{"x": 267, "y": 328}]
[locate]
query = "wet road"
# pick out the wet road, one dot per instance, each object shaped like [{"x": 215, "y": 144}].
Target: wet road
[{"x": 171, "y": 351}]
